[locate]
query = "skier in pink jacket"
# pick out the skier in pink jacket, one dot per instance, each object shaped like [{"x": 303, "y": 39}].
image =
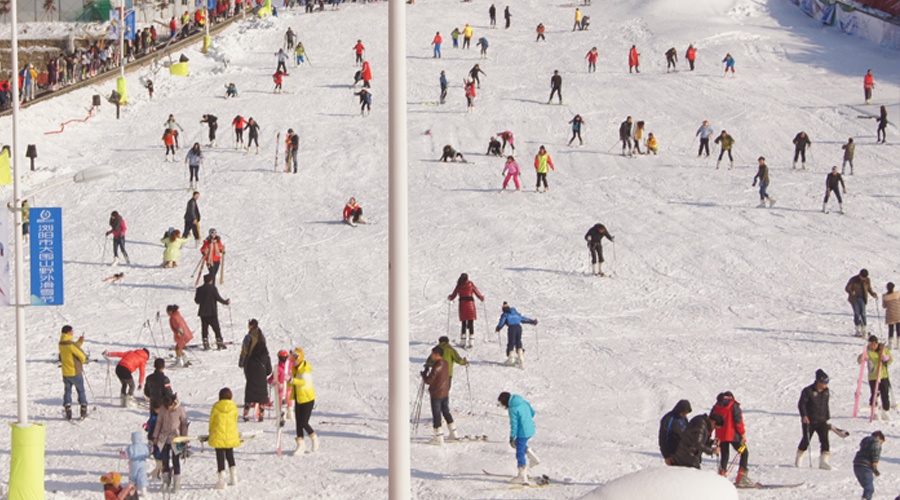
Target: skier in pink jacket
[{"x": 511, "y": 171}]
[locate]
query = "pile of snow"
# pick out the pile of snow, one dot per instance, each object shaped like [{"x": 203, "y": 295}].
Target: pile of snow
[{"x": 666, "y": 483}]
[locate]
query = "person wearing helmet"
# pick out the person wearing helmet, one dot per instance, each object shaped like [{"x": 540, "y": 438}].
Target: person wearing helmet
[
  {"x": 304, "y": 400},
  {"x": 281, "y": 379}
]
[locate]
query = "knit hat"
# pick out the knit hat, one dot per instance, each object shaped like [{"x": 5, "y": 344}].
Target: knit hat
[
  {"x": 504, "y": 399},
  {"x": 110, "y": 478},
  {"x": 821, "y": 376}
]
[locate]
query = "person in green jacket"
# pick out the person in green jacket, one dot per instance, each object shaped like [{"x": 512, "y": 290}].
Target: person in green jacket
[
  {"x": 726, "y": 142},
  {"x": 455, "y": 36},
  {"x": 300, "y": 53},
  {"x": 173, "y": 242},
  {"x": 875, "y": 351},
  {"x": 450, "y": 355}
]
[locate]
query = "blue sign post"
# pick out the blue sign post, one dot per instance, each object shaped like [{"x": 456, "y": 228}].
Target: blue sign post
[{"x": 46, "y": 257}]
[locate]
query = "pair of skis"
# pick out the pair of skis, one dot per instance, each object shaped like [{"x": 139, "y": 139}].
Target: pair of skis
[{"x": 862, "y": 372}]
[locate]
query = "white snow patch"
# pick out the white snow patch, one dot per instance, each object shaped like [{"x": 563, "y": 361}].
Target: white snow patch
[{"x": 666, "y": 483}]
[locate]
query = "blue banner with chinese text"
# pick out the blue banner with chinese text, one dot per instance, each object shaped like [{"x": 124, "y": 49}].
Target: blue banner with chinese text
[{"x": 46, "y": 257}]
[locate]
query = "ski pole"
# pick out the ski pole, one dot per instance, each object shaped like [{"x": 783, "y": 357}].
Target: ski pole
[
  {"x": 448, "y": 318},
  {"x": 469, "y": 385},
  {"x": 612, "y": 147},
  {"x": 734, "y": 461},
  {"x": 231, "y": 325},
  {"x": 809, "y": 443},
  {"x": 614, "y": 257},
  {"x": 105, "y": 248},
  {"x": 88, "y": 382},
  {"x": 486, "y": 329},
  {"x": 537, "y": 343},
  {"x": 222, "y": 274},
  {"x": 108, "y": 383}
]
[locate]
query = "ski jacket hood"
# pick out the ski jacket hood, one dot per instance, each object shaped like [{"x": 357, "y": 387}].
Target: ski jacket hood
[{"x": 733, "y": 428}]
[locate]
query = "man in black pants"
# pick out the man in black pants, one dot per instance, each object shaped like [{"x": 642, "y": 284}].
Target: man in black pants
[
  {"x": 207, "y": 297},
  {"x": 831, "y": 184},
  {"x": 815, "y": 416},
  {"x": 625, "y": 134},
  {"x": 213, "y": 123},
  {"x": 801, "y": 144},
  {"x": 192, "y": 217},
  {"x": 555, "y": 86},
  {"x": 594, "y": 238}
]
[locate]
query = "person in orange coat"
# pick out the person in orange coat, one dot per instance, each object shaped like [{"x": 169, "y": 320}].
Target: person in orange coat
[
  {"x": 868, "y": 85},
  {"x": 592, "y": 59},
  {"x": 168, "y": 139},
  {"x": 359, "y": 49},
  {"x": 437, "y": 45},
  {"x": 691, "y": 55},
  {"x": 181, "y": 331},
  {"x": 277, "y": 78},
  {"x": 634, "y": 60},
  {"x": 366, "y": 74},
  {"x": 467, "y": 311},
  {"x": 131, "y": 361},
  {"x": 213, "y": 251}
]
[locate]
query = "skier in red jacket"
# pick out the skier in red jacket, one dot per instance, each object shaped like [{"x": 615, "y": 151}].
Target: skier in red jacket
[
  {"x": 691, "y": 55},
  {"x": 868, "y": 85},
  {"x": 238, "y": 123},
  {"x": 731, "y": 432},
  {"x": 131, "y": 361},
  {"x": 359, "y": 49},
  {"x": 366, "y": 74},
  {"x": 633, "y": 60},
  {"x": 467, "y": 311}
]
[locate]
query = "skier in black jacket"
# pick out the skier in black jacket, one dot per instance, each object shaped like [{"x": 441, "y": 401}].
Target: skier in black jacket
[
  {"x": 671, "y": 59},
  {"x": 695, "y": 440},
  {"x": 831, "y": 184},
  {"x": 252, "y": 134},
  {"x": 594, "y": 238},
  {"x": 494, "y": 148},
  {"x": 213, "y": 123},
  {"x": 815, "y": 416},
  {"x": 625, "y": 135},
  {"x": 555, "y": 86},
  {"x": 671, "y": 428},
  {"x": 192, "y": 217},
  {"x": 207, "y": 297},
  {"x": 801, "y": 144},
  {"x": 157, "y": 386}
]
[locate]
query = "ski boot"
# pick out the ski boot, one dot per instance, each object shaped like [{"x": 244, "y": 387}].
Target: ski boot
[
  {"x": 824, "y": 461},
  {"x": 824, "y": 208},
  {"x": 247, "y": 413},
  {"x": 462, "y": 340},
  {"x": 220, "y": 484},
  {"x": 220, "y": 345},
  {"x": 301, "y": 446},
  {"x": 841, "y": 208},
  {"x": 771, "y": 202},
  {"x": 166, "y": 482},
  {"x": 115, "y": 261},
  {"x": 743, "y": 481},
  {"x": 68, "y": 412},
  {"x": 521, "y": 355},
  {"x": 521, "y": 478},
  {"x": 453, "y": 435},
  {"x": 232, "y": 480},
  {"x": 176, "y": 483},
  {"x": 469, "y": 341},
  {"x": 510, "y": 359},
  {"x": 205, "y": 344},
  {"x": 798, "y": 458},
  {"x": 438, "y": 438},
  {"x": 314, "y": 440},
  {"x": 762, "y": 204}
]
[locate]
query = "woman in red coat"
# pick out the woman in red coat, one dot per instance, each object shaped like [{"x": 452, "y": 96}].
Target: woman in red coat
[
  {"x": 634, "y": 60},
  {"x": 366, "y": 74},
  {"x": 467, "y": 311},
  {"x": 181, "y": 331}
]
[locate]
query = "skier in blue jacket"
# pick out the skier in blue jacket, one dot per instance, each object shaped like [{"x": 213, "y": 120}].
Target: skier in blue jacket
[
  {"x": 521, "y": 429},
  {"x": 443, "y": 87},
  {"x": 513, "y": 321}
]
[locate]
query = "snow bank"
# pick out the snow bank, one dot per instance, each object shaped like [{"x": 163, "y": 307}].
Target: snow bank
[{"x": 667, "y": 483}]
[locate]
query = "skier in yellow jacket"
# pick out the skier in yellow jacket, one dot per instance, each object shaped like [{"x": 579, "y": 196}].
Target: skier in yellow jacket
[
  {"x": 304, "y": 400},
  {"x": 72, "y": 359},
  {"x": 224, "y": 436}
]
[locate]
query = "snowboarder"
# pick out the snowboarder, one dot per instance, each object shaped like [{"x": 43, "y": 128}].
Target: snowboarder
[
  {"x": 157, "y": 385},
  {"x": 282, "y": 62},
  {"x": 671, "y": 59},
  {"x": 231, "y": 91},
  {"x": 467, "y": 36},
  {"x": 507, "y": 137},
  {"x": 132, "y": 361},
  {"x": 691, "y": 55},
  {"x": 890, "y": 301},
  {"x": 507, "y": 16},
  {"x": 762, "y": 175},
  {"x": 207, "y": 298},
  {"x": 171, "y": 124},
  {"x": 171, "y": 423},
  {"x": 858, "y": 288},
  {"x": 470, "y": 94},
  {"x": 257, "y": 367},
  {"x": 289, "y": 38},
  {"x": 359, "y": 49},
  {"x": 193, "y": 159},
  {"x": 436, "y": 42},
  {"x": 594, "y": 238},
  {"x": 704, "y": 132},
  {"x": 181, "y": 332},
  {"x": 831, "y": 184},
  {"x": 304, "y": 401},
  {"x": 881, "y": 132},
  {"x": 192, "y": 217},
  {"x": 849, "y": 149},
  {"x": 168, "y": 139},
  {"x": 492, "y": 12},
  {"x": 473, "y": 74},
  {"x": 366, "y": 73},
  {"x": 815, "y": 417},
  {"x": 137, "y": 453},
  {"x": 451, "y": 154},
  {"x": 293, "y": 148},
  {"x": 542, "y": 160},
  {"x": 729, "y": 64},
  {"x": 878, "y": 356},
  {"x": 540, "y": 32},
  {"x": 117, "y": 230},
  {"x": 365, "y": 102},
  {"x": 467, "y": 292},
  {"x": 695, "y": 440},
  {"x": 555, "y": 86},
  {"x": 865, "y": 463},
  {"x": 213, "y": 250},
  {"x": 444, "y": 84},
  {"x": 671, "y": 427},
  {"x": 725, "y": 142},
  {"x": 494, "y": 147},
  {"x": 213, "y": 123},
  {"x": 513, "y": 321},
  {"x": 353, "y": 213},
  {"x": 868, "y": 85},
  {"x": 483, "y": 43},
  {"x": 521, "y": 429},
  {"x": 224, "y": 436},
  {"x": 278, "y": 78},
  {"x": 72, "y": 360},
  {"x": 625, "y": 135},
  {"x": 576, "y": 123},
  {"x": 731, "y": 432},
  {"x": 239, "y": 123},
  {"x": 801, "y": 144},
  {"x": 591, "y": 57},
  {"x": 437, "y": 378},
  {"x": 511, "y": 170},
  {"x": 252, "y": 135},
  {"x": 634, "y": 61}
]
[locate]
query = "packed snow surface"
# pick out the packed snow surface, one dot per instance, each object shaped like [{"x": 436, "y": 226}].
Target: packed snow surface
[
  {"x": 707, "y": 293},
  {"x": 672, "y": 483}
]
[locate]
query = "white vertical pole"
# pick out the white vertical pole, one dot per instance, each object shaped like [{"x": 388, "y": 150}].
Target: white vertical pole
[
  {"x": 21, "y": 374},
  {"x": 122, "y": 38},
  {"x": 398, "y": 259}
]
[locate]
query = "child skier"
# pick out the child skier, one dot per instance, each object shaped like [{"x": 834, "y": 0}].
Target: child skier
[
  {"x": 542, "y": 160},
  {"x": 729, "y": 64},
  {"x": 449, "y": 153},
  {"x": 137, "y": 454},
  {"x": 173, "y": 242},
  {"x": 511, "y": 171},
  {"x": 194, "y": 159},
  {"x": 277, "y": 78},
  {"x": 513, "y": 321},
  {"x": 470, "y": 94},
  {"x": 281, "y": 379},
  {"x": 224, "y": 436},
  {"x": 113, "y": 490},
  {"x": 118, "y": 229},
  {"x": 576, "y": 123},
  {"x": 652, "y": 144},
  {"x": 231, "y": 91},
  {"x": 170, "y": 125},
  {"x": 831, "y": 185},
  {"x": 300, "y": 53},
  {"x": 181, "y": 331},
  {"x": 238, "y": 123},
  {"x": 592, "y": 56},
  {"x": 494, "y": 147}
]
